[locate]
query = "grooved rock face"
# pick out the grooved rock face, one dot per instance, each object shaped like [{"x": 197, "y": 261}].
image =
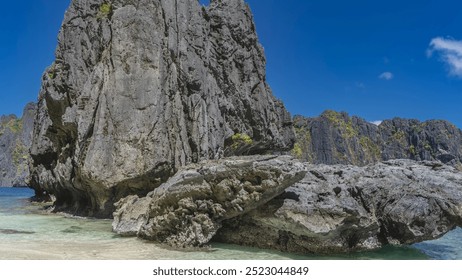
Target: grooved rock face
[
  {"x": 336, "y": 138},
  {"x": 140, "y": 88}
]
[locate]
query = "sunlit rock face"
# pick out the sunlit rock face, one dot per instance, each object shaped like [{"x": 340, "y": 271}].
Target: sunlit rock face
[
  {"x": 345, "y": 208},
  {"x": 190, "y": 207},
  {"x": 337, "y": 138},
  {"x": 15, "y": 141},
  {"x": 141, "y": 88}
]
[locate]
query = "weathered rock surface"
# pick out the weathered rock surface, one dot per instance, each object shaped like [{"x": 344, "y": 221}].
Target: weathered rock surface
[
  {"x": 348, "y": 208},
  {"x": 190, "y": 207},
  {"x": 336, "y": 138},
  {"x": 15, "y": 141},
  {"x": 141, "y": 88}
]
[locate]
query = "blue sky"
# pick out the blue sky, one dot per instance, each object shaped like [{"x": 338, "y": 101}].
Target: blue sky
[
  {"x": 28, "y": 38},
  {"x": 374, "y": 59}
]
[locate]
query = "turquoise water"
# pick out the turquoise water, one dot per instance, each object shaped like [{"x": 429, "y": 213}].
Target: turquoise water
[{"x": 26, "y": 232}]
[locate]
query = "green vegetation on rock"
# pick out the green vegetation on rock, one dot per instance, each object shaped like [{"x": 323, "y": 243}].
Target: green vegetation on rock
[
  {"x": 241, "y": 139},
  {"x": 370, "y": 148},
  {"x": 417, "y": 128},
  {"x": 105, "y": 10},
  {"x": 15, "y": 125},
  {"x": 297, "y": 151},
  {"x": 19, "y": 154},
  {"x": 52, "y": 71},
  {"x": 412, "y": 150},
  {"x": 332, "y": 116},
  {"x": 346, "y": 127},
  {"x": 350, "y": 131},
  {"x": 302, "y": 149},
  {"x": 399, "y": 136}
]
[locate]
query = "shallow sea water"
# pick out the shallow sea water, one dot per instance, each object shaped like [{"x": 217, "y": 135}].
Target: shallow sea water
[{"x": 27, "y": 233}]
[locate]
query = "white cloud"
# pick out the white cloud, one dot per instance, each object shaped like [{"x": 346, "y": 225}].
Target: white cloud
[
  {"x": 386, "y": 76},
  {"x": 377, "y": 123},
  {"x": 450, "y": 51}
]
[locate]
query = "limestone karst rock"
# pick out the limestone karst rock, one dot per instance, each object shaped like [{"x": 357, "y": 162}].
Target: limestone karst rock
[
  {"x": 15, "y": 141},
  {"x": 321, "y": 208},
  {"x": 343, "y": 208},
  {"x": 336, "y": 138},
  {"x": 190, "y": 207},
  {"x": 141, "y": 88}
]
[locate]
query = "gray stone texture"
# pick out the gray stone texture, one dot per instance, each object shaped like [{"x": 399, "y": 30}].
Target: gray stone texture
[
  {"x": 336, "y": 138},
  {"x": 139, "y": 89},
  {"x": 15, "y": 141},
  {"x": 342, "y": 208},
  {"x": 190, "y": 207}
]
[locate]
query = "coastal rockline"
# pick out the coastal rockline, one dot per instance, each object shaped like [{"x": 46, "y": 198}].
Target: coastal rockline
[
  {"x": 330, "y": 209},
  {"x": 158, "y": 114},
  {"x": 189, "y": 208}
]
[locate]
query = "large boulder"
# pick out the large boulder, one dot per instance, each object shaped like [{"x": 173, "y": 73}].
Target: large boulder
[
  {"x": 190, "y": 208},
  {"x": 138, "y": 90},
  {"x": 348, "y": 208}
]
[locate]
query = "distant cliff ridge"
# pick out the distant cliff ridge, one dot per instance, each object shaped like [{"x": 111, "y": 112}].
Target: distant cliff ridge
[
  {"x": 139, "y": 90},
  {"x": 15, "y": 141},
  {"x": 336, "y": 138}
]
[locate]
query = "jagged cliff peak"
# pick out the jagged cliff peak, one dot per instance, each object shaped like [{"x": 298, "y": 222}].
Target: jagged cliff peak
[{"x": 15, "y": 141}]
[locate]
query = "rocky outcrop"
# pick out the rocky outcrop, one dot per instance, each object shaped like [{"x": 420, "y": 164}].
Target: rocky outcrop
[
  {"x": 190, "y": 207},
  {"x": 321, "y": 209},
  {"x": 336, "y": 138},
  {"x": 15, "y": 141},
  {"x": 348, "y": 208},
  {"x": 138, "y": 90}
]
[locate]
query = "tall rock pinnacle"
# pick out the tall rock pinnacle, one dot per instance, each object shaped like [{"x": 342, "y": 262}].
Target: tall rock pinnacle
[
  {"x": 141, "y": 88},
  {"x": 15, "y": 141}
]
